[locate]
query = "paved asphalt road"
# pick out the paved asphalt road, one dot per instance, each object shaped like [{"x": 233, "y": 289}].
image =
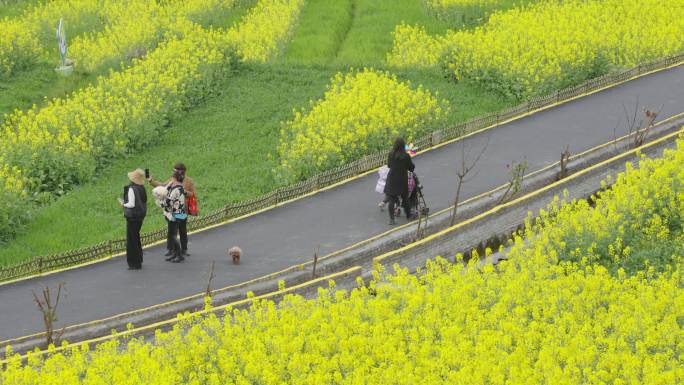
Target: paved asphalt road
[{"x": 288, "y": 235}]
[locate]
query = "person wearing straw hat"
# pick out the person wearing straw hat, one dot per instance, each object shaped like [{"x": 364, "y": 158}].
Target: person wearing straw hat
[{"x": 134, "y": 204}]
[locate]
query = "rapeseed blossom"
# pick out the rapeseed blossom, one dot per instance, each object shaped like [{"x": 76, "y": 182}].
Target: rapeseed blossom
[
  {"x": 414, "y": 47},
  {"x": 594, "y": 295}
]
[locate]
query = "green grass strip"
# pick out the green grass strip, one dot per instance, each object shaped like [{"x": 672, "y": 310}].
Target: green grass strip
[
  {"x": 369, "y": 38},
  {"x": 323, "y": 27}
]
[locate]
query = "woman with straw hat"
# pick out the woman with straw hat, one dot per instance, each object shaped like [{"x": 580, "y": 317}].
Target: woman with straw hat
[{"x": 134, "y": 204}]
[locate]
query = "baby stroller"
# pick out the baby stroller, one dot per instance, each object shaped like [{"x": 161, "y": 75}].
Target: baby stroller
[
  {"x": 416, "y": 198},
  {"x": 415, "y": 193}
]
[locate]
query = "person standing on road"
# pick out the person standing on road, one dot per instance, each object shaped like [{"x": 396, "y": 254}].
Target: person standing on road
[
  {"x": 134, "y": 204},
  {"x": 189, "y": 188},
  {"x": 399, "y": 163},
  {"x": 176, "y": 215}
]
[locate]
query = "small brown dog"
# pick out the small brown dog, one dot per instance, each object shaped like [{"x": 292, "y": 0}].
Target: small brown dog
[{"x": 235, "y": 252}]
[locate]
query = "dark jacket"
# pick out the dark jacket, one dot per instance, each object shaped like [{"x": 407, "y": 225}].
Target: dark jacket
[
  {"x": 139, "y": 211},
  {"x": 397, "y": 179}
]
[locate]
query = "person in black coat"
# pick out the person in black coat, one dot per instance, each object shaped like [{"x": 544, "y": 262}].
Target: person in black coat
[
  {"x": 134, "y": 204},
  {"x": 399, "y": 163}
]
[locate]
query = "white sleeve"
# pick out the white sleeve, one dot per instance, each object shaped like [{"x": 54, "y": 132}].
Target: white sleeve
[{"x": 131, "y": 199}]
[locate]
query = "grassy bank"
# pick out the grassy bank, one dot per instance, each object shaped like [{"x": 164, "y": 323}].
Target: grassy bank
[{"x": 36, "y": 86}]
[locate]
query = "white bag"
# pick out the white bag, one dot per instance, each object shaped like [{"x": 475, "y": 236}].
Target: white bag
[{"x": 382, "y": 179}]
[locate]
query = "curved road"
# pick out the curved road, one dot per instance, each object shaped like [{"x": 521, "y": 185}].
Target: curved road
[{"x": 288, "y": 235}]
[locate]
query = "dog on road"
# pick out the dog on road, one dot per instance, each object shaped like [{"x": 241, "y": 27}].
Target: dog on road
[{"x": 235, "y": 252}]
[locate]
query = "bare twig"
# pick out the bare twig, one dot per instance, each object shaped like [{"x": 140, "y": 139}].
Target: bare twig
[
  {"x": 645, "y": 127},
  {"x": 315, "y": 261},
  {"x": 564, "y": 159},
  {"x": 210, "y": 279},
  {"x": 638, "y": 129},
  {"x": 615, "y": 139},
  {"x": 49, "y": 311},
  {"x": 423, "y": 215},
  {"x": 517, "y": 173},
  {"x": 419, "y": 229},
  {"x": 462, "y": 173}
]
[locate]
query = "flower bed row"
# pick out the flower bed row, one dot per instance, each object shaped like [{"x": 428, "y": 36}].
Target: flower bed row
[
  {"x": 136, "y": 27},
  {"x": 548, "y": 45}
]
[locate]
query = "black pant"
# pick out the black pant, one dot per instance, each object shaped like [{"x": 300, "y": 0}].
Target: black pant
[
  {"x": 172, "y": 240},
  {"x": 134, "y": 253},
  {"x": 182, "y": 226},
  {"x": 394, "y": 200}
]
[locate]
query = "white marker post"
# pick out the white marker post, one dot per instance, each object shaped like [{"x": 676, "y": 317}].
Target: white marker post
[{"x": 65, "y": 69}]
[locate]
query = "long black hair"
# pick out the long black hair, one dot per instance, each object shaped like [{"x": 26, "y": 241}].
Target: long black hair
[
  {"x": 398, "y": 148},
  {"x": 179, "y": 172},
  {"x": 179, "y": 175}
]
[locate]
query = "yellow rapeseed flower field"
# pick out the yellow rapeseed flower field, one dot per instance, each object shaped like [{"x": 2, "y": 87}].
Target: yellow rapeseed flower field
[
  {"x": 361, "y": 112},
  {"x": 18, "y": 49},
  {"x": 592, "y": 295},
  {"x": 549, "y": 45}
]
